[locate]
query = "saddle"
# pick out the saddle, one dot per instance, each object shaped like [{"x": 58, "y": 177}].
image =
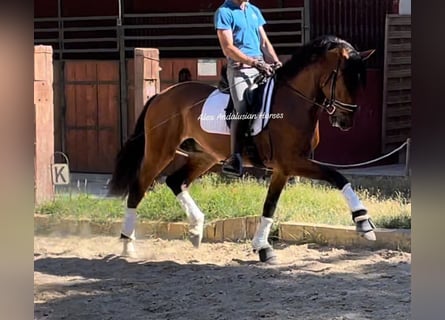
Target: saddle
[{"x": 254, "y": 98}]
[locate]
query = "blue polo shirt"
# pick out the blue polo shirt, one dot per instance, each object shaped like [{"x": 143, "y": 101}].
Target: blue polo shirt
[{"x": 244, "y": 25}]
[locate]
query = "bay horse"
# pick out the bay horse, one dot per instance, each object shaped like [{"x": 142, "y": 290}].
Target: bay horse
[{"x": 324, "y": 75}]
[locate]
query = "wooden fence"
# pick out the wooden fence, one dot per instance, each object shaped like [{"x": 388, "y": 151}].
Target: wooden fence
[
  {"x": 91, "y": 124},
  {"x": 396, "y": 118}
]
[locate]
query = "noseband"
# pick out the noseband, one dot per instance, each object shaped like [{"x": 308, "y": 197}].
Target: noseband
[{"x": 331, "y": 104}]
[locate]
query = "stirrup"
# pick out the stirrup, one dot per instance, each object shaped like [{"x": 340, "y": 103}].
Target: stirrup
[
  {"x": 232, "y": 172},
  {"x": 229, "y": 169}
]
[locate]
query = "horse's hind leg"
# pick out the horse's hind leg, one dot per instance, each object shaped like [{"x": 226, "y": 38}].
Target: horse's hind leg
[
  {"x": 260, "y": 243},
  {"x": 179, "y": 181},
  {"x": 151, "y": 167},
  {"x": 364, "y": 225}
]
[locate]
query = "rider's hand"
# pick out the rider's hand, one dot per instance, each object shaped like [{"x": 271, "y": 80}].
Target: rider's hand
[
  {"x": 277, "y": 65},
  {"x": 264, "y": 68}
]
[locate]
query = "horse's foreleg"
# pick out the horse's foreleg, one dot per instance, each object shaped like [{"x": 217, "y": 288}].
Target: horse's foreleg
[
  {"x": 179, "y": 182},
  {"x": 260, "y": 243},
  {"x": 364, "y": 225}
]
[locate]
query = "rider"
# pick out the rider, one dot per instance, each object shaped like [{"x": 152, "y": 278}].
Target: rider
[{"x": 239, "y": 26}]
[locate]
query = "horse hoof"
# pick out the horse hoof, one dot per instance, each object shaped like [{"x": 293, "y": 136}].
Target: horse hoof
[
  {"x": 195, "y": 239},
  {"x": 365, "y": 228},
  {"x": 268, "y": 256},
  {"x": 128, "y": 254},
  {"x": 370, "y": 235},
  {"x": 129, "y": 249},
  {"x": 195, "y": 234}
]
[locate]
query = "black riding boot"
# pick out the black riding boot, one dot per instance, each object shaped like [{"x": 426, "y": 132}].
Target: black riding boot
[{"x": 233, "y": 166}]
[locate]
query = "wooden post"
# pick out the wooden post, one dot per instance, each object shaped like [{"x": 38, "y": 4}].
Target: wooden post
[
  {"x": 146, "y": 78},
  {"x": 44, "y": 122}
]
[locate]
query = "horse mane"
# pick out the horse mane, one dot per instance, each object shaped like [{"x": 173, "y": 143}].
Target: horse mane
[{"x": 355, "y": 71}]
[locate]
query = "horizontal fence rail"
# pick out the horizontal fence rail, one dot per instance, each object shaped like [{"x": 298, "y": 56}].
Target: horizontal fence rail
[
  {"x": 77, "y": 34},
  {"x": 172, "y": 33}
]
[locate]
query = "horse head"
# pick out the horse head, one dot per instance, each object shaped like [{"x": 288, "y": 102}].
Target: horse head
[
  {"x": 328, "y": 71},
  {"x": 344, "y": 74}
]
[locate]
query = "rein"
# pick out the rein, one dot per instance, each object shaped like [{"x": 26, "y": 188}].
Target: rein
[{"x": 331, "y": 104}]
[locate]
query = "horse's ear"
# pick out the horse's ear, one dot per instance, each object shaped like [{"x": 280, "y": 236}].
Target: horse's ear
[{"x": 366, "y": 54}]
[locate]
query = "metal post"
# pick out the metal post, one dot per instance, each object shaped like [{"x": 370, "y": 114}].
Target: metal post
[
  {"x": 122, "y": 75},
  {"x": 60, "y": 27},
  {"x": 61, "y": 71},
  {"x": 306, "y": 22},
  {"x": 407, "y": 157}
]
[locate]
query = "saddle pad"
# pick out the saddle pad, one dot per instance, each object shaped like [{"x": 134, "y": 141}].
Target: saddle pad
[{"x": 213, "y": 115}]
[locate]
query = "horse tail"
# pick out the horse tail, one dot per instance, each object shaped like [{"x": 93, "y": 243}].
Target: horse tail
[{"x": 129, "y": 158}]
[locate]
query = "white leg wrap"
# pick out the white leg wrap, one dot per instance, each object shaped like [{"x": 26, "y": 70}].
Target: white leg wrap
[
  {"x": 194, "y": 215},
  {"x": 259, "y": 241},
  {"x": 353, "y": 201},
  {"x": 192, "y": 211},
  {"x": 366, "y": 227},
  {"x": 129, "y": 223}
]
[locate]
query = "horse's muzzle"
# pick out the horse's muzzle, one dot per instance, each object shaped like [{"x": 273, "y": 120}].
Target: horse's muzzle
[{"x": 342, "y": 124}]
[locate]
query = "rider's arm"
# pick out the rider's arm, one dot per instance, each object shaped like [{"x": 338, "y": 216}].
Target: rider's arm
[
  {"x": 267, "y": 48},
  {"x": 225, "y": 38}
]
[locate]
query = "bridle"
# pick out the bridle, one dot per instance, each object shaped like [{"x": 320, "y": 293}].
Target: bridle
[{"x": 331, "y": 104}]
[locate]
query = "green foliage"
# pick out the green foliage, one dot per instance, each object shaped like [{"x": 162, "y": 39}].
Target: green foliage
[
  {"x": 219, "y": 198},
  {"x": 82, "y": 206}
]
